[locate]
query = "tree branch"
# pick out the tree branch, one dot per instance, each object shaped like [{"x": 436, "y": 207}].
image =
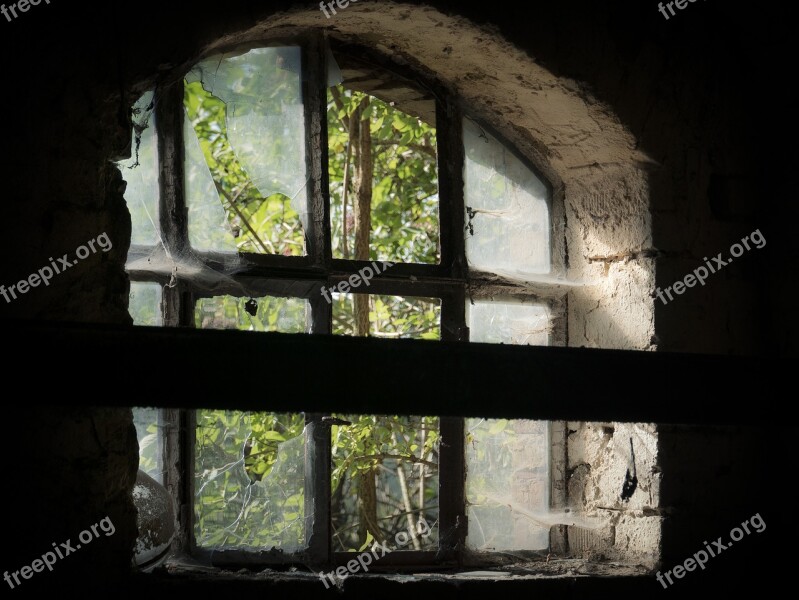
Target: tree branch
[
  {"x": 232, "y": 204},
  {"x": 429, "y": 150},
  {"x": 410, "y": 458}
]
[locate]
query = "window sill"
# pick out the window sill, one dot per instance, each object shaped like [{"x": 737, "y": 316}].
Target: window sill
[{"x": 567, "y": 569}]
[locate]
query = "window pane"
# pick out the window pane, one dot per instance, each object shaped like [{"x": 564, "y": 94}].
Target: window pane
[
  {"x": 507, "y": 484},
  {"x": 284, "y": 315},
  {"x": 148, "y": 433},
  {"x": 249, "y": 473},
  {"x": 140, "y": 172},
  {"x": 245, "y": 153},
  {"x": 145, "y": 304},
  {"x": 385, "y": 482},
  {"x": 508, "y": 322},
  {"x": 401, "y": 223},
  {"x": 391, "y": 317},
  {"x": 508, "y": 231}
]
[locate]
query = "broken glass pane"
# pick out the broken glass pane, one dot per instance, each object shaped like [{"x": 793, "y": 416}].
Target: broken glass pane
[
  {"x": 245, "y": 153},
  {"x": 384, "y": 482},
  {"x": 495, "y": 322},
  {"x": 269, "y": 313},
  {"x": 392, "y": 317},
  {"x": 508, "y": 229},
  {"x": 140, "y": 172},
  {"x": 147, "y": 425},
  {"x": 402, "y": 221},
  {"x": 210, "y": 226},
  {"x": 507, "y": 484},
  {"x": 145, "y": 304},
  {"x": 249, "y": 480}
]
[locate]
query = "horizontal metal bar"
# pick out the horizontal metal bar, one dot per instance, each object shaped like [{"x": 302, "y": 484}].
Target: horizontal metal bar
[{"x": 407, "y": 377}]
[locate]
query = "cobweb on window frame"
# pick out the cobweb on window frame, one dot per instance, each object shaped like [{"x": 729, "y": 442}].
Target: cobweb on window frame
[
  {"x": 261, "y": 91},
  {"x": 508, "y": 487}
]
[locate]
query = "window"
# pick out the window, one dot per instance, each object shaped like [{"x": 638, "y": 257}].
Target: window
[{"x": 314, "y": 189}]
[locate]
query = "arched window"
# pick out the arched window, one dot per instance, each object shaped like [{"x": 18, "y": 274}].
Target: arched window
[
  {"x": 314, "y": 187},
  {"x": 279, "y": 209}
]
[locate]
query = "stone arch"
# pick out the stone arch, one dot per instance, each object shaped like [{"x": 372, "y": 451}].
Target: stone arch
[{"x": 599, "y": 175}]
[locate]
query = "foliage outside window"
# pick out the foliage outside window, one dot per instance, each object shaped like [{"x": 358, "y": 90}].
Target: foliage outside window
[{"x": 266, "y": 228}]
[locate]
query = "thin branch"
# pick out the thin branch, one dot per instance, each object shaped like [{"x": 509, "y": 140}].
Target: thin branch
[
  {"x": 410, "y": 458},
  {"x": 402, "y": 514},
  {"x": 406, "y": 499},
  {"x": 345, "y": 197},
  {"x": 420, "y": 147},
  {"x": 421, "y": 471},
  {"x": 232, "y": 204}
]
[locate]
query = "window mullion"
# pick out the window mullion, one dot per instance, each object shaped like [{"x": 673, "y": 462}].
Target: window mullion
[
  {"x": 453, "y": 246},
  {"x": 178, "y": 472},
  {"x": 453, "y": 316},
  {"x": 177, "y": 305},
  {"x": 321, "y": 311},
  {"x": 172, "y": 204},
  {"x": 450, "y": 187},
  {"x": 315, "y": 106},
  {"x": 452, "y": 494},
  {"x": 172, "y": 214},
  {"x": 317, "y": 491},
  {"x": 318, "y": 236}
]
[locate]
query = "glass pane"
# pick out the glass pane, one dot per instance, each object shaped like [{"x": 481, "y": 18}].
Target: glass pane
[
  {"x": 385, "y": 482},
  {"x": 509, "y": 322},
  {"x": 145, "y": 304},
  {"x": 392, "y": 317},
  {"x": 146, "y": 421},
  {"x": 508, "y": 229},
  {"x": 284, "y": 315},
  {"x": 249, "y": 480},
  {"x": 140, "y": 172},
  {"x": 401, "y": 222},
  {"x": 507, "y": 484},
  {"x": 245, "y": 153}
]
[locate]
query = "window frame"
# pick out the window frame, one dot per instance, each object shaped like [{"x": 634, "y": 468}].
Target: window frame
[
  {"x": 178, "y": 433},
  {"x": 275, "y": 275}
]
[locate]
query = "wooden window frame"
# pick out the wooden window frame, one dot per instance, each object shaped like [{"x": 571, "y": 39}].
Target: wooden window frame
[{"x": 277, "y": 275}]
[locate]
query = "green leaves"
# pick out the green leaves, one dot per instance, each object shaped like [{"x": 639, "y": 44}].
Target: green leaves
[
  {"x": 391, "y": 317},
  {"x": 249, "y": 480},
  {"x": 260, "y": 225},
  {"x": 368, "y": 543},
  {"x": 286, "y": 315},
  {"x": 385, "y": 445},
  {"x": 405, "y": 224}
]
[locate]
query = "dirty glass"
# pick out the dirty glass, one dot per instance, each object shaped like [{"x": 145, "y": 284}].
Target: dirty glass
[
  {"x": 145, "y": 304},
  {"x": 249, "y": 480},
  {"x": 269, "y": 313},
  {"x": 245, "y": 153},
  {"x": 384, "y": 482},
  {"x": 140, "y": 173},
  {"x": 403, "y": 217},
  {"x": 390, "y": 317},
  {"x": 507, "y": 484},
  {"x": 507, "y": 215},
  {"x": 148, "y": 433},
  {"x": 509, "y": 322}
]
